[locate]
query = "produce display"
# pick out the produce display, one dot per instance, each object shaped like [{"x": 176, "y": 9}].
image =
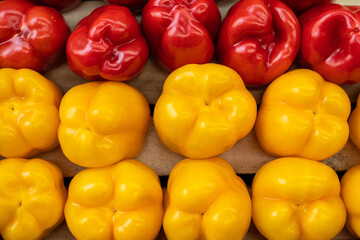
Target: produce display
[
  {"x": 123, "y": 201},
  {"x": 31, "y": 36},
  {"x": 303, "y": 115},
  {"x": 259, "y": 39},
  {"x": 32, "y": 198},
  {"x": 206, "y": 200},
  {"x": 107, "y": 45},
  {"x": 350, "y": 193},
  {"x": 210, "y": 80},
  {"x": 102, "y": 123},
  {"x": 181, "y": 32},
  {"x": 29, "y": 113},
  {"x": 201, "y": 104},
  {"x": 297, "y": 198},
  {"x": 330, "y": 42}
]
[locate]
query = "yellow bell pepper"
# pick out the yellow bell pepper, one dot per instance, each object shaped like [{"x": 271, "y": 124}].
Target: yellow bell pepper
[
  {"x": 102, "y": 123},
  {"x": 203, "y": 110},
  {"x": 122, "y": 201},
  {"x": 32, "y": 198},
  {"x": 350, "y": 193},
  {"x": 206, "y": 200},
  {"x": 354, "y": 123},
  {"x": 29, "y": 115},
  {"x": 302, "y": 115},
  {"x": 297, "y": 198}
]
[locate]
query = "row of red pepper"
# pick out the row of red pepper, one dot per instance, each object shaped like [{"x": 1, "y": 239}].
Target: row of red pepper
[{"x": 260, "y": 39}]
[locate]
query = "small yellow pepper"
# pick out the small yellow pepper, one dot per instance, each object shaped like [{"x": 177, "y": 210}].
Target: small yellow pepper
[
  {"x": 297, "y": 198},
  {"x": 29, "y": 115},
  {"x": 350, "y": 193},
  {"x": 206, "y": 200},
  {"x": 122, "y": 201},
  {"x": 302, "y": 115},
  {"x": 354, "y": 123},
  {"x": 32, "y": 198},
  {"x": 102, "y": 123},
  {"x": 203, "y": 110}
]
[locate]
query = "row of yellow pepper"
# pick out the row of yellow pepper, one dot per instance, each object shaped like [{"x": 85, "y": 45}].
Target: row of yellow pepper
[
  {"x": 203, "y": 111},
  {"x": 292, "y": 198}
]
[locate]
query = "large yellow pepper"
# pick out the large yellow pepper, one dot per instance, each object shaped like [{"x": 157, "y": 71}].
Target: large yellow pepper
[
  {"x": 122, "y": 201},
  {"x": 354, "y": 123},
  {"x": 297, "y": 198},
  {"x": 350, "y": 193},
  {"x": 102, "y": 123},
  {"x": 32, "y": 198},
  {"x": 303, "y": 115},
  {"x": 206, "y": 200},
  {"x": 204, "y": 110},
  {"x": 29, "y": 115}
]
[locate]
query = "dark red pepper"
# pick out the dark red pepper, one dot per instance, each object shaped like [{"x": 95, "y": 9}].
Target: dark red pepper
[
  {"x": 330, "y": 42},
  {"x": 62, "y": 5},
  {"x": 31, "y": 36},
  {"x": 259, "y": 39},
  {"x": 180, "y": 32},
  {"x": 107, "y": 44},
  {"x": 299, "y": 6}
]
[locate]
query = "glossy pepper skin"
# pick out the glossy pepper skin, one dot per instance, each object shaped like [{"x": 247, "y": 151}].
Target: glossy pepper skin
[
  {"x": 181, "y": 32},
  {"x": 259, "y": 39},
  {"x": 29, "y": 115},
  {"x": 108, "y": 44},
  {"x": 203, "y": 110},
  {"x": 31, "y": 36},
  {"x": 102, "y": 123},
  {"x": 62, "y": 5},
  {"x": 354, "y": 123},
  {"x": 297, "y": 198},
  {"x": 300, "y": 6},
  {"x": 302, "y": 115},
  {"x": 122, "y": 201},
  {"x": 132, "y": 4},
  {"x": 32, "y": 198},
  {"x": 206, "y": 200},
  {"x": 350, "y": 193},
  {"x": 330, "y": 42}
]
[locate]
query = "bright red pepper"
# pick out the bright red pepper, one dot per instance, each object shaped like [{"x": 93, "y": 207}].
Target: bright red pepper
[
  {"x": 330, "y": 42},
  {"x": 132, "y": 4},
  {"x": 31, "y": 36},
  {"x": 180, "y": 32},
  {"x": 259, "y": 39},
  {"x": 62, "y": 5},
  {"x": 107, "y": 44},
  {"x": 299, "y": 6}
]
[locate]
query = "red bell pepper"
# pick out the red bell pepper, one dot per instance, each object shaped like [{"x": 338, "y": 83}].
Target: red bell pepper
[
  {"x": 299, "y": 6},
  {"x": 259, "y": 39},
  {"x": 31, "y": 36},
  {"x": 330, "y": 42},
  {"x": 62, "y": 5},
  {"x": 107, "y": 44},
  {"x": 180, "y": 32},
  {"x": 132, "y": 4}
]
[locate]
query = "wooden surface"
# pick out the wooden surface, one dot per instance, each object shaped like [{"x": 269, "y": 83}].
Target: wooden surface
[{"x": 246, "y": 156}]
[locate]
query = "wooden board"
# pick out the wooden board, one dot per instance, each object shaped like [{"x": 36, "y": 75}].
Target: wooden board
[{"x": 246, "y": 156}]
